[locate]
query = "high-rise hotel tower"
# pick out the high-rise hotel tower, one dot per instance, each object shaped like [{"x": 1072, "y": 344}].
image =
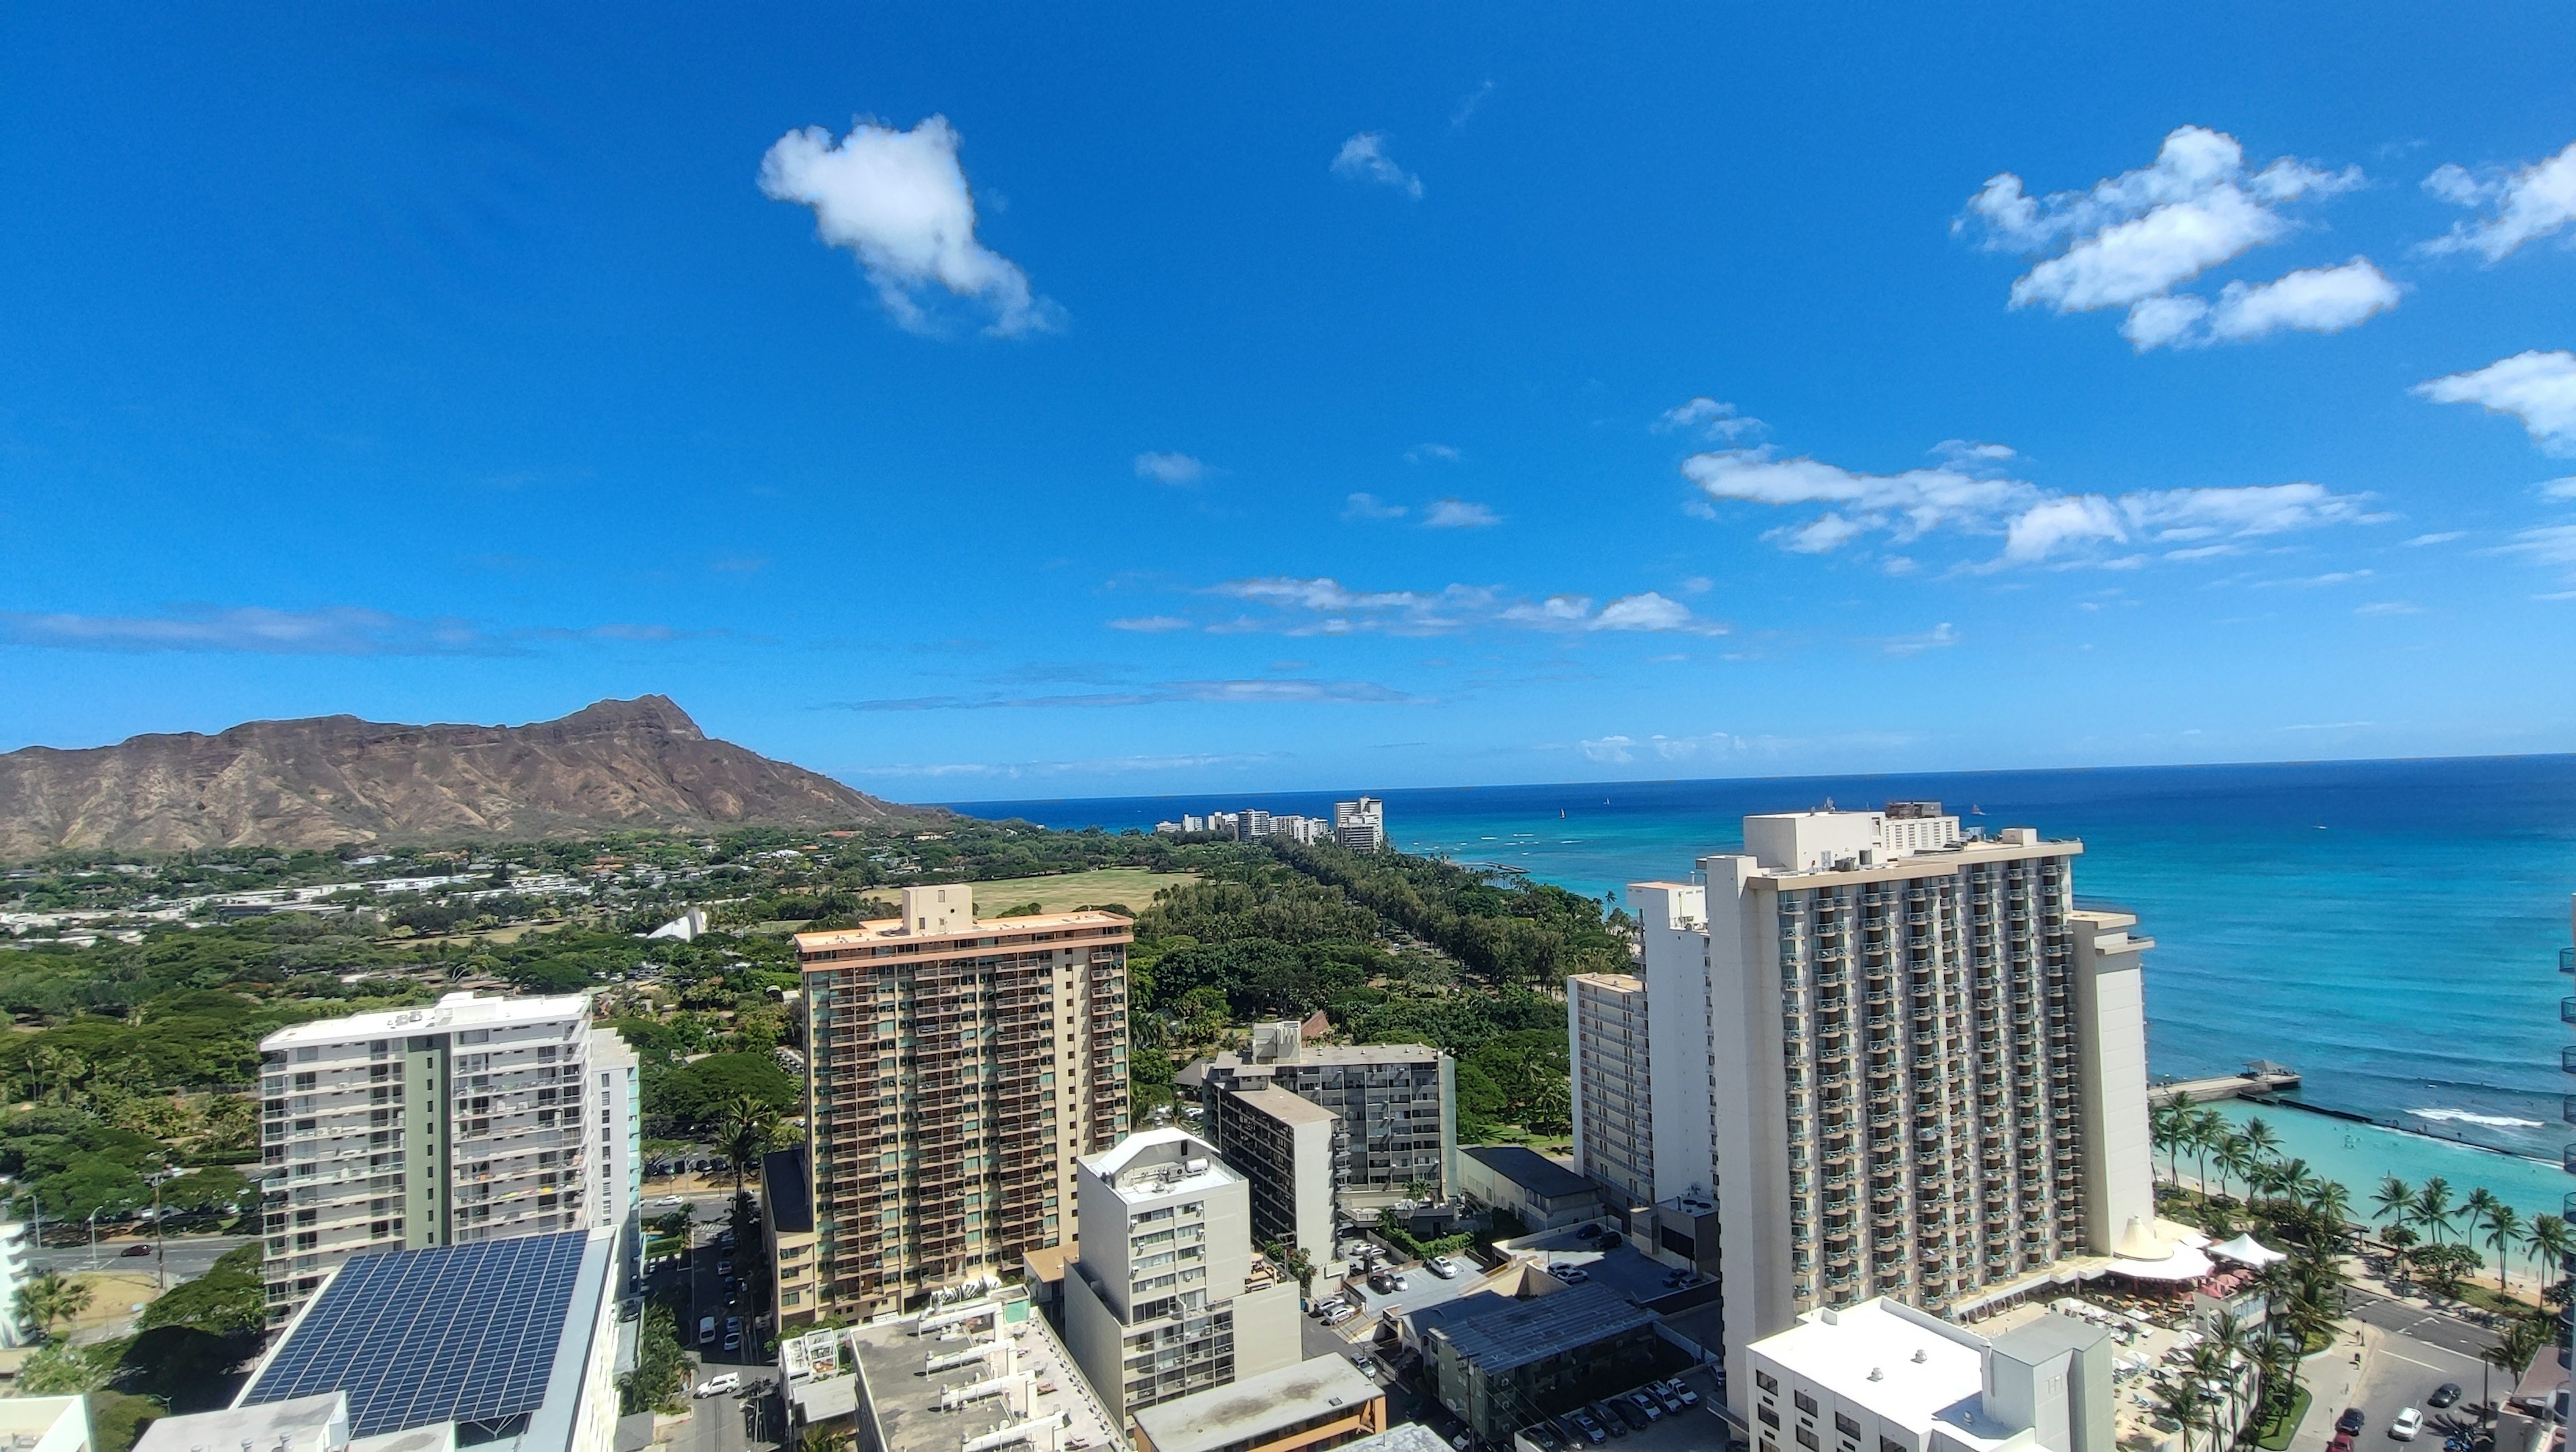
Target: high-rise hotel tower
[
  {"x": 1904, "y": 1061},
  {"x": 960, "y": 1068}
]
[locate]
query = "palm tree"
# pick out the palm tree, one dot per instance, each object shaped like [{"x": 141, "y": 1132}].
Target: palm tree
[
  {"x": 2395, "y": 1199},
  {"x": 2503, "y": 1225},
  {"x": 2265, "y": 1139},
  {"x": 2182, "y": 1400},
  {"x": 2549, "y": 1242},
  {"x": 2522, "y": 1341},
  {"x": 47, "y": 1298},
  {"x": 2331, "y": 1203},
  {"x": 2208, "y": 1127},
  {"x": 2236, "y": 1154},
  {"x": 2165, "y": 1129},
  {"x": 2473, "y": 1211},
  {"x": 2433, "y": 1209},
  {"x": 746, "y": 1125},
  {"x": 2399, "y": 1239}
]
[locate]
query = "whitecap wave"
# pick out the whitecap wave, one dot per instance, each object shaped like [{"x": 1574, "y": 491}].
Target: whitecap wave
[{"x": 2491, "y": 1121}]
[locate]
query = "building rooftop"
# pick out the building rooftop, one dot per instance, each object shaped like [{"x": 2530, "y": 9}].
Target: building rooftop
[
  {"x": 1615, "y": 982},
  {"x": 1285, "y": 1107},
  {"x": 1402, "y": 1437},
  {"x": 1530, "y": 1170},
  {"x": 1310, "y": 1054},
  {"x": 456, "y": 1010},
  {"x": 2039, "y": 1339},
  {"x": 891, "y": 1385},
  {"x": 1904, "y": 1365},
  {"x": 1517, "y": 1333},
  {"x": 791, "y": 1198},
  {"x": 494, "y": 1334},
  {"x": 303, "y": 1424},
  {"x": 1152, "y": 1163},
  {"x": 880, "y": 930},
  {"x": 1254, "y": 1407},
  {"x": 46, "y": 1424}
]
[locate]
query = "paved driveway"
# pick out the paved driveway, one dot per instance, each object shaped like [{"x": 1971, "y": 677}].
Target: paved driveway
[{"x": 2435, "y": 1328}]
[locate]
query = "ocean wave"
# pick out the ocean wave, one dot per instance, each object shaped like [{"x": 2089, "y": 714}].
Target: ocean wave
[{"x": 2492, "y": 1121}]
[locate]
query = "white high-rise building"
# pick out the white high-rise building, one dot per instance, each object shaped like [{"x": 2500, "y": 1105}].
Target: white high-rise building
[
  {"x": 1614, "y": 1131},
  {"x": 1360, "y": 825},
  {"x": 474, "y": 1119},
  {"x": 1904, "y": 1061},
  {"x": 1167, "y": 1296},
  {"x": 16, "y": 1269}
]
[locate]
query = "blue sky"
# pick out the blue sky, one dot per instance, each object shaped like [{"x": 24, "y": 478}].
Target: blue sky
[{"x": 985, "y": 403}]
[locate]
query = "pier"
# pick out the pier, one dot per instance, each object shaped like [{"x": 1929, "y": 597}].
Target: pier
[{"x": 2258, "y": 1080}]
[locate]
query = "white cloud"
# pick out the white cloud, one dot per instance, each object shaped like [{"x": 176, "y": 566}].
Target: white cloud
[
  {"x": 2535, "y": 387},
  {"x": 1150, "y": 624},
  {"x": 1369, "y": 506},
  {"x": 1165, "y": 468},
  {"x": 2130, "y": 239},
  {"x": 2530, "y": 203},
  {"x": 1717, "y": 420},
  {"x": 1432, "y": 454},
  {"x": 1938, "y": 637},
  {"x": 1324, "y": 606},
  {"x": 1262, "y": 691},
  {"x": 1971, "y": 453},
  {"x": 2559, "y": 488},
  {"x": 2314, "y": 300},
  {"x": 2442, "y": 537},
  {"x": 341, "y": 630},
  {"x": 2549, "y": 545},
  {"x": 1364, "y": 158},
  {"x": 899, "y": 200},
  {"x": 1458, "y": 514},
  {"x": 2388, "y": 607},
  {"x": 1466, "y": 108},
  {"x": 2037, "y": 524}
]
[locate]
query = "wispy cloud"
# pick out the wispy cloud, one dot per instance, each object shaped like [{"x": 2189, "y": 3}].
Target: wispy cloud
[
  {"x": 1467, "y": 106},
  {"x": 1458, "y": 514},
  {"x": 898, "y": 200},
  {"x": 2129, "y": 240},
  {"x": 2559, "y": 488},
  {"x": 2529, "y": 202},
  {"x": 1364, "y": 158},
  {"x": 2388, "y": 607},
  {"x": 1432, "y": 454},
  {"x": 2037, "y": 524},
  {"x": 1369, "y": 506},
  {"x": 1939, "y": 637},
  {"x": 2438, "y": 537},
  {"x": 1102, "y": 765},
  {"x": 2553, "y": 544},
  {"x": 1324, "y": 606},
  {"x": 1150, "y": 624},
  {"x": 1708, "y": 417},
  {"x": 1165, "y": 468},
  {"x": 1264, "y": 691},
  {"x": 2537, "y": 388},
  {"x": 345, "y": 630}
]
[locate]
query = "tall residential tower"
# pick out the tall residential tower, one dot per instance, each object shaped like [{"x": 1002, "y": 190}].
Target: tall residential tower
[
  {"x": 474, "y": 1119},
  {"x": 960, "y": 1067},
  {"x": 1903, "y": 1060}
]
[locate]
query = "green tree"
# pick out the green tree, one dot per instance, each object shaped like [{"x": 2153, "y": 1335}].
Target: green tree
[
  {"x": 2433, "y": 1208},
  {"x": 660, "y": 1380},
  {"x": 2523, "y": 1340},
  {"x": 62, "y": 1369},
  {"x": 47, "y": 1298},
  {"x": 228, "y": 1300},
  {"x": 2549, "y": 1243},
  {"x": 2503, "y": 1226}
]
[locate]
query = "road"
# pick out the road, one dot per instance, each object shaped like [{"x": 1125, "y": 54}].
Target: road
[
  {"x": 189, "y": 1255},
  {"x": 2433, "y": 1328}
]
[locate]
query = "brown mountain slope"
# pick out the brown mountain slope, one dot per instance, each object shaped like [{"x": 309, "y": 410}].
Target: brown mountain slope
[{"x": 329, "y": 780}]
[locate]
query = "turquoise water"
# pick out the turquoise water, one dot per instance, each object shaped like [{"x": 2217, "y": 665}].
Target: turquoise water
[
  {"x": 2361, "y": 1155},
  {"x": 2390, "y": 929}
]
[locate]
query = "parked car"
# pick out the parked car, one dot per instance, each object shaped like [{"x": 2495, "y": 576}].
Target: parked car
[
  {"x": 706, "y": 1330},
  {"x": 1574, "y": 1275},
  {"x": 1610, "y": 1240},
  {"x": 1443, "y": 1267},
  {"x": 1381, "y": 1282},
  {"x": 1340, "y": 1316},
  {"x": 1622, "y": 1410},
  {"x": 1401, "y": 1283},
  {"x": 1360, "y": 1360},
  {"x": 1588, "y": 1232},
  {"x": 733, "y": 1325},
  {"x": 2408, "y": 1422},
  {"x": 1590, "y": 1429},
  {"x": 733, "y": 1343},
  {"x": 716, "y": 1386},
  {"x": 1653, "y": 1409},
  {"x": 724, "y": 1267},
  {"x": 2351, "y": 1422},
  {"x": 2447, "y": 1394}
]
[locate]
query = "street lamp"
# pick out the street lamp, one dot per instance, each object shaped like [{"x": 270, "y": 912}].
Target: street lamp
[{"x": 93, "y": 1239}]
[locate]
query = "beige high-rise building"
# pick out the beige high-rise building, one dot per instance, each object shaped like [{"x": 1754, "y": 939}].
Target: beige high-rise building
[
  {"x": 473, "y": 1119},
  {"x": 1903, "y": 1059},
  {"x": 1614, "y": 1133},
  {"x": 960, "y": 1067}
]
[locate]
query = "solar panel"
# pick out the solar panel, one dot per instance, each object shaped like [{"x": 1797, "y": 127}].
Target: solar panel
[{"x": 462, "y": 1333}]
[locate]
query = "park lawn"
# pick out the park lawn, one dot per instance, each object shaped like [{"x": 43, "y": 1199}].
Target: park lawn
[
  {"x": 2275, "y": 1436},
  {"x": 1132, "y": 887}
]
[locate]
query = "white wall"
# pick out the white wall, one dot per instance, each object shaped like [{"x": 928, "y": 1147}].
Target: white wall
[
  {"x": 1671, "y": 918},
  {"x": 2111, "y": 1031},
  {"x": 1751, "y": 1107}
]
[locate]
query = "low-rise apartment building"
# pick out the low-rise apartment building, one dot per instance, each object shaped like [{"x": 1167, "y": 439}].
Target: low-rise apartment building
[
  {"x": 1290, "y": 1152},
  {"x": 1397, "y": 1103}
]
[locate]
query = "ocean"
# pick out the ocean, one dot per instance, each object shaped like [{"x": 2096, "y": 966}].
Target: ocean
[{"x": 2391, "y": 929}]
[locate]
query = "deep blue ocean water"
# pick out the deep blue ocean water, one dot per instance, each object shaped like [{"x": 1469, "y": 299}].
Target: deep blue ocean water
[{"x": 2389, "y": 928}]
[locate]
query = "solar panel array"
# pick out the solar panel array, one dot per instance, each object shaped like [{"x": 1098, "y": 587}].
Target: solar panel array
[{"x": 461, "y": 1333}]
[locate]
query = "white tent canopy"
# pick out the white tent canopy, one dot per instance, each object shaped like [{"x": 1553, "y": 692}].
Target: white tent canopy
[
  {"x": 2246, "y": 1250},
  {"x": 2184, "y": 1264}
]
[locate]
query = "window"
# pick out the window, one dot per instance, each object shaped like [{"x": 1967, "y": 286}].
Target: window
[
  {"x": 1845, "y": 1425},
  {"x": 1805, "y": 1402},
  {"x": 1807, "y": 1438},
  {"x": 1767, "y": 1382},
  {"x": 1890, "y": 1444},
  {"x": 1769, "y": 1417}
]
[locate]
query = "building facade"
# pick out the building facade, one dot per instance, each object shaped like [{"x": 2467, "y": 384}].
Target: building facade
[
  {"x": 1360, "y": 825},
  {"x": 16, "y": 1268},
  {"x": 1614, "y": 1131},
  {"x": 787, "y": 1229},
  {"x": 1905, "y": 1062},
  {"x": 1168, "y": 1296},
  {"x": 959, "y": 1067},
  {"x": 1290, "y": 1152},
  {"x": 1501, "y": 1363},
  {"x": 1397, "y": 1103},
  {"x": 469, "y": 1120},
  {"x": 1883, "y": 1377}
]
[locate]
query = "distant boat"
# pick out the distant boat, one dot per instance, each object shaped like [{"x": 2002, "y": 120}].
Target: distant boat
[
  {"x": 1975, "y": 811},
  {"x": 1560, "y": 814}
]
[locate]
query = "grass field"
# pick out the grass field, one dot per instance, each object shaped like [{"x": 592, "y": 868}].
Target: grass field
[{"x": 1133, "y": 886}]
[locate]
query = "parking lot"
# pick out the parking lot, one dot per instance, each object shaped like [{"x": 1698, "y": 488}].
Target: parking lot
[
  {"x": 1621, "y": 1267},
  {"x": 1421, "y": 1289},
  {"x": 1692, "y": 1429}
]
